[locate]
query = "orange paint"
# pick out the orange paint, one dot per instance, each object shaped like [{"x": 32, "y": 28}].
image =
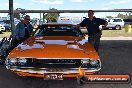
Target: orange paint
[{"x": 55, "y": 51}]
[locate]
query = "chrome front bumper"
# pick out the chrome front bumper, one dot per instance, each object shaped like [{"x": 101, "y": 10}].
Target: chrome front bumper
[{"x": 54, "y": 70}]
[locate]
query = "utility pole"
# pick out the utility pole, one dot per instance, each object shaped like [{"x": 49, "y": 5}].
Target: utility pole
[
  {"x": 40, "y": 19},
  {"x": 11, "y": 15},
  {"x": 43, "y": 18}
]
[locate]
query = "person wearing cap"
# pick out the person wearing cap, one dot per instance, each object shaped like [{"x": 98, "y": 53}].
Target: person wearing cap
[
  {"x": 94, "y": 33},
  {"x": 22, "y": 31}
]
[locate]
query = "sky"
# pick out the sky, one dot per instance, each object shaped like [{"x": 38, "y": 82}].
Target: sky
[{"x": 68, "y": 5}]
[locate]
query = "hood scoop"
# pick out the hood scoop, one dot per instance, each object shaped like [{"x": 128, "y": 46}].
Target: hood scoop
[
  {"x": 25, "y": 46},
  {"x": 58, "y": 42}
]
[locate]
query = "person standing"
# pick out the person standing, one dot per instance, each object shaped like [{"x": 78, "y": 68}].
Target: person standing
[
  {"x": 92, "y": 24},
  {"x": 23, "y": 31}
]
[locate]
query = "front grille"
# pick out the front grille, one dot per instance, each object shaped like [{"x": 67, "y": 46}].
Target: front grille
[{"x": 53, "y": 63}]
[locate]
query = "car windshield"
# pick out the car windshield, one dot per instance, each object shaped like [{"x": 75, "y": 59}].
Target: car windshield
[
  {"x": 117, "y": 20},
  {"x": 58, "y": 30}
]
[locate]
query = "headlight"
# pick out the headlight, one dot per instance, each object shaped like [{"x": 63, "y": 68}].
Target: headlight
[
  {"x": 84, "y": 61},
  {"x": 94, "y": 62},
  {"x": 13, "y": 61},
  {"x": 17, "y": 61},
  {"x": 22, "y": 61}
]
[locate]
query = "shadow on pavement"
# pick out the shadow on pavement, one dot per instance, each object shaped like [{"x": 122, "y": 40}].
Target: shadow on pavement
[{"x": 116, "y": 57}]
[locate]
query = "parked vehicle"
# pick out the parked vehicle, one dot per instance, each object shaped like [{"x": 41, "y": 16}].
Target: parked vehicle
[
  {"x": 6, "y": 24},
  {"x": 2, "y": 28},
  {"x": 7, "y": 27},
  {"x": 127, "y": 21},
  {"x": 115, "y": 23},
  {"x": 55, "y": 51}
]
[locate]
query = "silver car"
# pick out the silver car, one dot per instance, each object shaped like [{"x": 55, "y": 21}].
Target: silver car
[{"x": 115, "y": 23}]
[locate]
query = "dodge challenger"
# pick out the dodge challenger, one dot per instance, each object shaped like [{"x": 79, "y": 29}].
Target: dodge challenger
[{"x": 53, "y": 52}]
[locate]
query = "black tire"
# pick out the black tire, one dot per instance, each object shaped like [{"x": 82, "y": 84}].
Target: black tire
[
  {"x": 1, "y": 32},
  {"x": 118, "y": 27}
]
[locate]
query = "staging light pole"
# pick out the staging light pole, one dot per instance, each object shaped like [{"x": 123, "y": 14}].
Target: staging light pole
[{"x": 11, "y": 13}]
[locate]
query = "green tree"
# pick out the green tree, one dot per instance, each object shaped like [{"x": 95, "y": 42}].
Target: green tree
[
  {"x": 109, "y": 17},
  {"x": 121, "y": 16},
  {"x": 128, "y": 15},
  {"x": 51, "y": 17}
]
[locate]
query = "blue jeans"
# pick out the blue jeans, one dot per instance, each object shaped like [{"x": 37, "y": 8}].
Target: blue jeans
[{"x": 94, "y": 40}]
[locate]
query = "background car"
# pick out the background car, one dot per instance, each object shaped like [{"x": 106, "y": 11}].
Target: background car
[
  {"x": 7, "y": 27},
  {"x": 115, "y": 23},
  {"x": 127, "y": 21},
  {"x": 6, "y": 24},
  {"x": 2, "y": 28}
]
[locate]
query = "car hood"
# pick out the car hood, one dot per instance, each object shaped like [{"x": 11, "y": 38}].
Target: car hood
[{"x": 54, "y": 47}]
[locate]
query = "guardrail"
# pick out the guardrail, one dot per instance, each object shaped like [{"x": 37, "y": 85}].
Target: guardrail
[{"x": 64, "y": 11}]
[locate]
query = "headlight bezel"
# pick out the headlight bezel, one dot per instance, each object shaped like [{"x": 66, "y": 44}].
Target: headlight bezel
[
  {"x": 22, "y": 61},
  {"x": 91, "y": 62},
  {"x": 17, "y": 61},
  {"x": 12, "y": 61},
  {"x": 85, "y": 61},
  {"x": 94, "y": 62}
]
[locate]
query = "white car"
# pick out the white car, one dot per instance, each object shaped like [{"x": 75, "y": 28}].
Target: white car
[
  {"x": 115, "y": 23},
  {"x": 2, "y": 28}
]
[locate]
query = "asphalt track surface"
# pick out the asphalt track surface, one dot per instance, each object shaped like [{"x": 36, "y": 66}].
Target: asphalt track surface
[{"x": 116, "y": 57}]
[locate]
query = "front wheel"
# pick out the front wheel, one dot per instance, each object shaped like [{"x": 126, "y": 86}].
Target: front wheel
[{"x": 118, "y": 27}]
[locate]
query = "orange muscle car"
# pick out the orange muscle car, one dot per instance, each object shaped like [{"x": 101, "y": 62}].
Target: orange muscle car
[{"x": 55, "y": 51}]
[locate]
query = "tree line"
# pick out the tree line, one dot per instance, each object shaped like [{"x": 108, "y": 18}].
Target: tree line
[
  {"x": 127, "y": 15},
  {"x": 50, "y": 17}
]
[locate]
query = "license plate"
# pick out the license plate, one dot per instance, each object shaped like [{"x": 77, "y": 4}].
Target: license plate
[{"x": 53, "y": 76}]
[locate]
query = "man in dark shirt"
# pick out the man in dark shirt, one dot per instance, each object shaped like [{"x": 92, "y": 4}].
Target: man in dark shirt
[{"x": 92, "y": 24}]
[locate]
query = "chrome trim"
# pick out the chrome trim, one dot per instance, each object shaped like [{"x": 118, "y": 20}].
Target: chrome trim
[
  {"x": 14, "y": 67},
  {"x": 44, "y": 70},
  {"x": 70, "y": 70},
  {"x": 59, "y": 63},
  {"x": 53, "y": 58}
]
